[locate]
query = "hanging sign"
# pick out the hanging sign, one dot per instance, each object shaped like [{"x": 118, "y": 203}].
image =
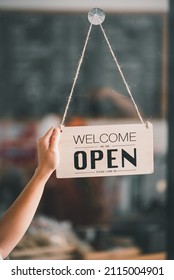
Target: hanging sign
[{"x": 109, "y": 150}]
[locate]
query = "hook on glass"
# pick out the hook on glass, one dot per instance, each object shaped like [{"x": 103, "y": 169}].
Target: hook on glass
[{"x": 96, "y": 16}]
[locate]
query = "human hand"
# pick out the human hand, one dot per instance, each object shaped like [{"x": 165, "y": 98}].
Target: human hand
[{"x": 48, "y": 154}]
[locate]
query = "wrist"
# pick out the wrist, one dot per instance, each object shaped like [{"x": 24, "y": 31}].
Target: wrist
[{"x": 42, "y": 174}]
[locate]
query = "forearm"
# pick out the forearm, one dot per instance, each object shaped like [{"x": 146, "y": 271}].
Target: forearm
[{"x": 19, "y": 216}]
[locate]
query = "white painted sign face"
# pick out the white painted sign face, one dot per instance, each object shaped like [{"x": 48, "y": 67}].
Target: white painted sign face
[{"x": 109, "y": 150}]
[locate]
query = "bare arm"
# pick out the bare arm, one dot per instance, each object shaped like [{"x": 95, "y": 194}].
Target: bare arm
[{"x": 16, "y": 220}]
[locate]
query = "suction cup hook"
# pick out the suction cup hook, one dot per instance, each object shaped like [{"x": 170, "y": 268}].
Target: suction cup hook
[{"x": 96, "y": 16}]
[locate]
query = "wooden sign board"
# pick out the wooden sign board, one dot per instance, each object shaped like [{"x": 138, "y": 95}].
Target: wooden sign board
[{"x": 109, "y": 150}]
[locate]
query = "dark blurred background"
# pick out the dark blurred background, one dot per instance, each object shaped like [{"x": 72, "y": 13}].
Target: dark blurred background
[{"x": 40, "y": 45}]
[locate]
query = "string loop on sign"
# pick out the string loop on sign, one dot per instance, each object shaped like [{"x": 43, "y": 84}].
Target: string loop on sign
[
  {"x": 121, "y": 73},
  {"x": 76, "y": 75},
  {"x": 96, "y": 16}
]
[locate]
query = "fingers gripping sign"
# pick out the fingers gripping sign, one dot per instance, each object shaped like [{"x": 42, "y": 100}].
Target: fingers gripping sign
[{"x": 48, "y": 152}]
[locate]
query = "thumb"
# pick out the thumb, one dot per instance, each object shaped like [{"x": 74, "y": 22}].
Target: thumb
[{"x": 54, "y": 140}]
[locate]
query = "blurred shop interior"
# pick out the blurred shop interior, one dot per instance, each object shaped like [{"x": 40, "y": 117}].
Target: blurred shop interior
[{"x": 121, "y": 217}]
